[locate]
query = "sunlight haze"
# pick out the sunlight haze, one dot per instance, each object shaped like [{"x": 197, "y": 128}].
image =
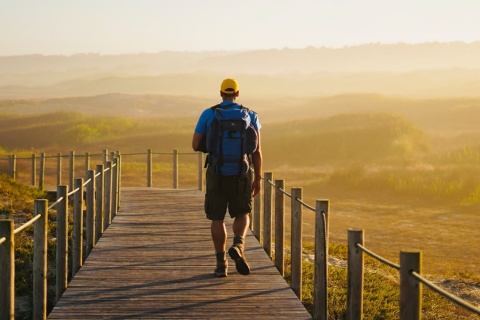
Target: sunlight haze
[{"x": 55, "y": 27}]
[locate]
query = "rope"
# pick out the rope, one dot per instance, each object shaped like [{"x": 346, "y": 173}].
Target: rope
[
  {"x": 446, "y": 294},
  {"x": 2, "y": 240},
  {"x": 98, "y": 174},
  {"x": 373, "y": 255},
  {"x": 306, "y": 205},
  {"x": 55, "y": 203},
  {"x": 29, "y": 223},
  {"x": 281, "y": 190},
  {"x": 134, "y": 154},
  {"x": 87, "y": 182},
  {"x": 73, "y": 191}
]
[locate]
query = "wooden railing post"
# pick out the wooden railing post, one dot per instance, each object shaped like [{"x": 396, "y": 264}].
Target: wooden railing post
[
  {"x": 107, "y": 195},
  {"x": 114, "y": 187},
  {"x": 34, "y": 170},
  {"x": 87, "y": 163},
  {"x": 257, "y": 220},
  {"x": 7, "y": 270},
  {"x": 105, "y": 156},
  {"x": 355, "y": 275},
  {"x": 201, "y": 176},
  {"x": 99, "y": 195},
  {"x": 280, "y": 226},
  {"x": 175, "y": 169},
  {"x": 119, "y": 174},
  {"x": 9, "y": 165},
  {"x": 410, "y": 288},
  {"x": 90, "y": 216},
  {"x": 149, "y": 168},
  {"x": 40, "y": 234},
  {"x": 41, "y": 182},
  {"x": 267, "y": 214},
  {"x": 77, "y": 241},
  {"x": 296, "y": 242},
  {"x": 62, "y": 242},
  {"x": 13, "y": 167},
  {"x": 59, "y": 169},
  {"x": 72, "y": 170},
  {"x": 320, "y": 296}
]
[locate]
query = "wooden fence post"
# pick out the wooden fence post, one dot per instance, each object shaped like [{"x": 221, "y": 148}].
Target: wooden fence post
[
  {"x": 320, "y": 296},
  {"x": 13, "y": 166},
  {"x": 34, "y": 170},
  {"x": 258, "y": 215},
  {"x": 105, "y": 156},
  {"x": 267, "y": 215},
  {"x": 114, "y": 187},
  {"x": 7, "y": 270},
  {"x": 107, "y": 195},
  {"x": 355, "y": 275},
  {"x": 87, "y": 163},
  {"x": 119, "y": 174},
  {"x": 40, "y": 232},
  {"x": 9, "y": 165},
  {"x": 201, "y": 176},
  {"x": 99, "y": 194},
  {"x": 41, "y": 182},
  {"x": 90, "y": 216},
  {"x": 72, "y": 170},
  {"x": 296, "y": 242},
  {"x": 175, "y": 169},
  {"x": 62, "y": 242},
  {"x": 410, "y": 288},
  {"x": 59, "y": 169},
  {"x": 77, "y": 241},
  {"x": 149, "y": 168},
  {"x": 280, "y": 227}
]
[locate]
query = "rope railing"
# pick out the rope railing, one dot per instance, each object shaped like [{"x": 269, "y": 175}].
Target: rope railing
[
  {"x": 280, "y": 189},
  {"x": 356, "y": 247},
  {"x": 55, "y": 203},
  {"x": 27, "y": 224},
  {"x": 87, "y": 182},
  {"x": 296, "y": 251},
  {"x": 101, "y": 200},
  {"x": 377, "y": 257},
  {"x": 305, "y": 204},
  {"x": 446, "y": 294},
  {"x": 61, "y": 156},
  {"x": 73, "y": 192}
]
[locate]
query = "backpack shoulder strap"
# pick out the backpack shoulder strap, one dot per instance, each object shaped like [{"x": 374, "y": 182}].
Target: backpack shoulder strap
[{"x": 225, "y": 106}]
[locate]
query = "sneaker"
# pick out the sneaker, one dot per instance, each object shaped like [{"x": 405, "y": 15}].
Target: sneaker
[
  {"x": 236, "y": 253},
  {"x": 221, "y": 269}
]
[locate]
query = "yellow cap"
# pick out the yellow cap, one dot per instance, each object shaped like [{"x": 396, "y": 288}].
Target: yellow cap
[{"x": 229, "y": 86}]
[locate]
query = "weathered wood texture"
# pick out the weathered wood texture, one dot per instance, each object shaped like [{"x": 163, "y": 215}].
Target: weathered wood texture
[{"x": 156, "y": 261}]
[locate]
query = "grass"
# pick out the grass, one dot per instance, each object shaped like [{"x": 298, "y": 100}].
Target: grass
[
  {"x": 17, "y": 203},
  {"x": 381, "y": 290},
  {"x": 408, "y": 174}
]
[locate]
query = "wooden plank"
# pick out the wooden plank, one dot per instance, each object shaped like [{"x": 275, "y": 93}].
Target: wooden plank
[{"x": 156, "y": 261}]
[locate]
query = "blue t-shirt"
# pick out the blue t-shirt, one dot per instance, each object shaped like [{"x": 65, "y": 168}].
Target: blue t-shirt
[{"x": 228, "y": 169}]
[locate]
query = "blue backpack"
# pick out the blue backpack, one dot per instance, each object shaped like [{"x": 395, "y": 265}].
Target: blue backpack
[{"x": 230, "y": 140}]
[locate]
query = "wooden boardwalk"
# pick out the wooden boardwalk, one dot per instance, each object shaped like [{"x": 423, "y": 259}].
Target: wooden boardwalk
[{"x": 156, "y": 261}]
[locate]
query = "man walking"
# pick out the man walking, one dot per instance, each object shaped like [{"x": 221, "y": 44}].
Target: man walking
[{"x": 229, "y": 179}]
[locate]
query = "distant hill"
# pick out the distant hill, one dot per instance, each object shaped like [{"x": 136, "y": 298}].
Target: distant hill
[{"x": 421, "y": 70}]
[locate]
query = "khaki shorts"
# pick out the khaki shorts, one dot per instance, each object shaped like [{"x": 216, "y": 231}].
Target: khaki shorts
[{"x": 232, "y": 192}]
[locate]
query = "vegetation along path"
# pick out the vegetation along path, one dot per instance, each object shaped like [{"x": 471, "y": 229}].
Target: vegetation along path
[{"x": 156, "y": 261}]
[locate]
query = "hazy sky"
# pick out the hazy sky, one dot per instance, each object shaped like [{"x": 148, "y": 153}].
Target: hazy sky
[{"x": 132, "y": 26}]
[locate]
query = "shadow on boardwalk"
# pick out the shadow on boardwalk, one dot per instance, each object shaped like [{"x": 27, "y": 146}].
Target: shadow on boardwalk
[{"x": 156, "y": 261}]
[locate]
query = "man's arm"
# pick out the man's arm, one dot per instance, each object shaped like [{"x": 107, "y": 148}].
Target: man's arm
[
  {"x": 196, "y": 141},
  {"x": 257, "y": 167}
]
